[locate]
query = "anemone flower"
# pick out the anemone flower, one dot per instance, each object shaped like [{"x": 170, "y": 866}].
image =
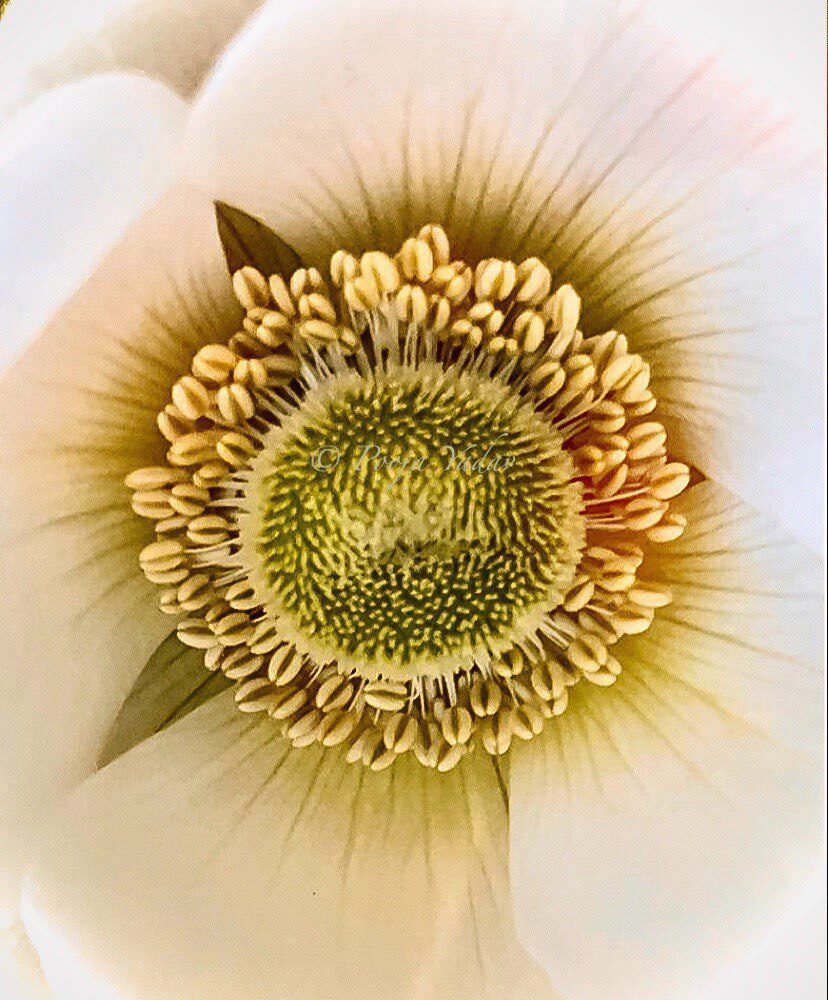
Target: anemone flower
[{"x": 406, "y": 521}]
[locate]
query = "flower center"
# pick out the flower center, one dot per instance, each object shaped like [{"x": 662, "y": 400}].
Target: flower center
[
  {"x": 413, "y": 522},
  {"x": 407, "y": 508}
]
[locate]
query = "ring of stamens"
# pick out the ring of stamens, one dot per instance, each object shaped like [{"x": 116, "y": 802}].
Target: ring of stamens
[{"x": 380, "y": 325}]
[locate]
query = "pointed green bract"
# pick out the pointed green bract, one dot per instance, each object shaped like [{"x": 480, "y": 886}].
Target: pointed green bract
[
  {"x": 170, "y": 686},
  {"x": 247, "y": 241}
]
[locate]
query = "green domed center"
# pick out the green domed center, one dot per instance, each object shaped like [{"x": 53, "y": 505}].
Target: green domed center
[{"x": 413, "y": 521}]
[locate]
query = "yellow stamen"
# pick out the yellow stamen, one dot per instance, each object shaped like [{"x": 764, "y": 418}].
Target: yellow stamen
[{"x": 418, "y": 310}]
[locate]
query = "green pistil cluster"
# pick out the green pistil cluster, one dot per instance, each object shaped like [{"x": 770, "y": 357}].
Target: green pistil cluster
[{"x": 415, "y": 521}]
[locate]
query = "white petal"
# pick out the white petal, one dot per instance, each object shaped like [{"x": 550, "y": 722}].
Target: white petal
[
  {"x": 646, "y": 177},
  {"x": 745, "y": 616},
  {"x": 77, "y": 168},
  {"x": 44, "y": 44},
  {"x": 656, "y": 825},
  {"x": 21, "y": 977},
  {"x": 77, "y": 412},
  {"x": 776, "y": 45},
  {"x": 351, "y": 121},
  {"x": 216, "y": 861},
  {"x": 787, "y": 958}
]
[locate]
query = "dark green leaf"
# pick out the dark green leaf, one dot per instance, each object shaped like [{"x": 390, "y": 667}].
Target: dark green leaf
[
  {"x": 247, "y": 240},
  {"x": 171, "y": 685}
]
